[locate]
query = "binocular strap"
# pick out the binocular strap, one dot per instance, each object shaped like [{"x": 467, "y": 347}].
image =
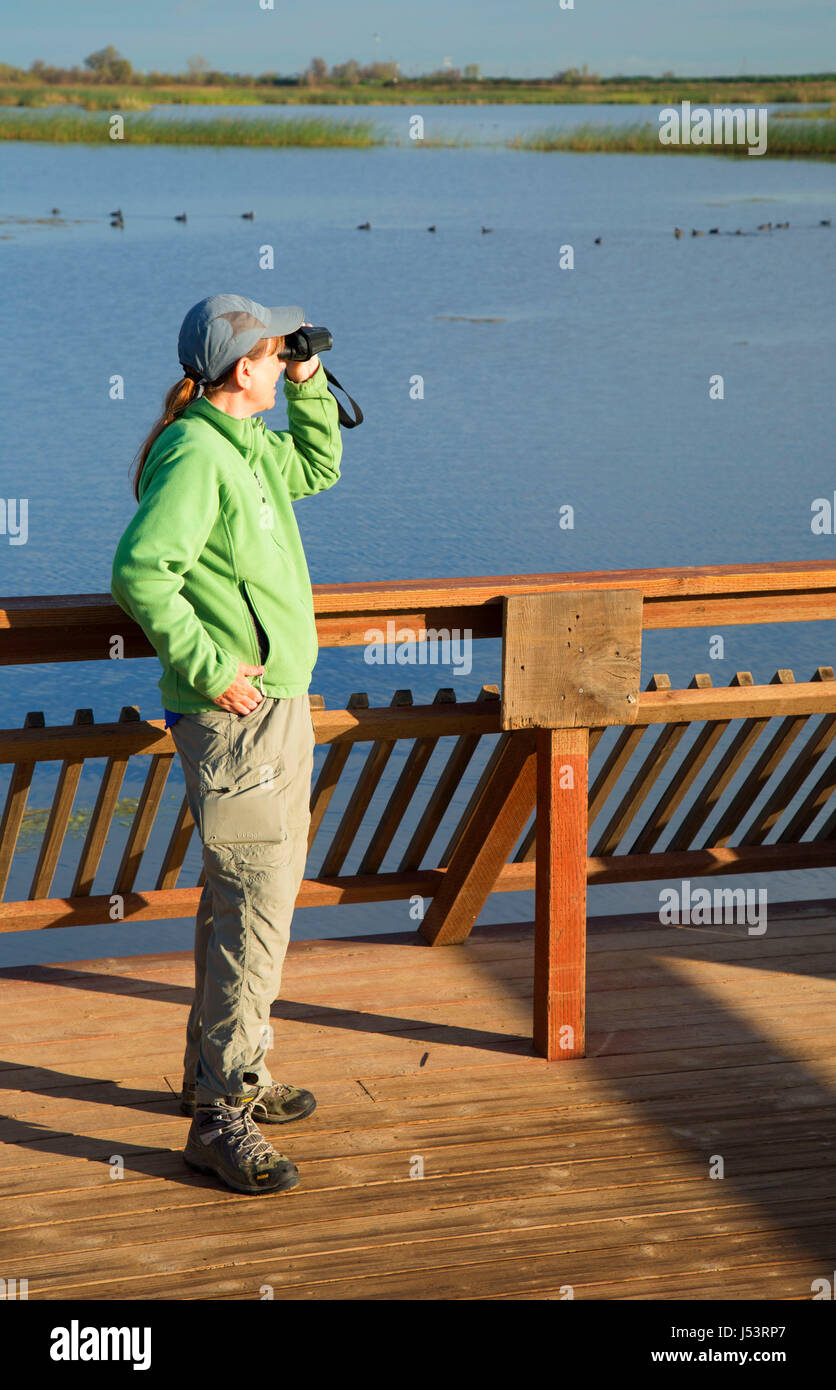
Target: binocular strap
[{"x": 344, "y": 417}]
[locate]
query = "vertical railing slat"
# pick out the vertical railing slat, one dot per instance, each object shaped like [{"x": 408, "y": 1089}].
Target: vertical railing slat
[
  {"x": 798, "y": 771},
  {"x": 331, "y": 771},
  {"x": 100, "y": 821},
  {"x": 444, "y": 790},
  {"x": 642, "y": 784},
  {"x": 695, "y": 758},
  {"x": 619, "y": 755},
  {"x": 361, "y": 794},
  {"x": 143, "y": 821},
  {"x": 177, "y": 847},
  {"x": 15, "y": 804},
  {"x": 402, "y": 793},
  {"x": 507, "y": 800},
  {"x": 757, "y": 778},
  {"x": 59, "y": 816},
  {"x": 721, "y": 774},
  {"x": 814, "y": 802}
]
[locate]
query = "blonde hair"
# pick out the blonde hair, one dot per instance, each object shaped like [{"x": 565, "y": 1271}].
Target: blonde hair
[{"x": 183, "y": 392}]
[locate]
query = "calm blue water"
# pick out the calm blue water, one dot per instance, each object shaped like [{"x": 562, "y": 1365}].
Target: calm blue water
[{"x": 591, "y": 389}]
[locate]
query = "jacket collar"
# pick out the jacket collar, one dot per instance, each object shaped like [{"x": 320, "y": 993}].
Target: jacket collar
[{"x": 238, "y": 432}]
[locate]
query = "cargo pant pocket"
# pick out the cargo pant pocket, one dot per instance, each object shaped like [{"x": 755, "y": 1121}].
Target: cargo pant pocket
[{"x": 251, "y": 808}]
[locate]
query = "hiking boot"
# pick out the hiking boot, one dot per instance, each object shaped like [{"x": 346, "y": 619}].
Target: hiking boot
[
  {"x": 276, "y": 1104},
  {"x": 272, "y": 1105},
  {"x": 225, "y": 1140}
]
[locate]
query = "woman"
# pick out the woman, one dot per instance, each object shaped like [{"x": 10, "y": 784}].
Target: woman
[{"x": 212, "y": 569}]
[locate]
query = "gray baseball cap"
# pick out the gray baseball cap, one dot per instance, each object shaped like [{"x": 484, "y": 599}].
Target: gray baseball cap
[{"x": 220, "y": 329}]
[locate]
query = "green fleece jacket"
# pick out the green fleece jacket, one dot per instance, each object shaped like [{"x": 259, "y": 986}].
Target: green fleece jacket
[{"x": 215, "y": 540}]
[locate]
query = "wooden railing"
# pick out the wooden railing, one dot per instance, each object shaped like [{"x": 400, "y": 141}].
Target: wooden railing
[{"x": 526, "y": 823}]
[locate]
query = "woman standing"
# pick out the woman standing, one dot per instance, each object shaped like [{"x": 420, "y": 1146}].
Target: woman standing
[{"x": 212, "y": 569}]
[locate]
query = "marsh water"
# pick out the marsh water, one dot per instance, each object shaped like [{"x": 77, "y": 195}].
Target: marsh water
[{"x": 542, "y": 388}]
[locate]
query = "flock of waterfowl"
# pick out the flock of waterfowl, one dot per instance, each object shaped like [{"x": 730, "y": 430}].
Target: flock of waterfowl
[
  {"x": 763, "y": 227},
  {"x": 117, "y": 220},
  {"x": 117, "y": 217},
  {"x": 367, "y": 226}
]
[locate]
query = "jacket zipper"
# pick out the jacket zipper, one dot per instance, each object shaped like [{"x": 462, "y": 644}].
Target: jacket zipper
[
  {"x": 253, "y": 636},
  {"x": 251, "y": 609}
]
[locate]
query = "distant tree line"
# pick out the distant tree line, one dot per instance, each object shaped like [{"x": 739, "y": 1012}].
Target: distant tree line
[{"x": 108, "y": 67}]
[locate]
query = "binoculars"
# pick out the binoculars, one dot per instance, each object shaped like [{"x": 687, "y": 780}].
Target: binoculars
[{"x": 304, "y": 344}]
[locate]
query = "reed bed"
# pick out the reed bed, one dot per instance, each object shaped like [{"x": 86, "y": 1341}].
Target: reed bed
[
  {"x": 798, "y": 140},
  {"x": 809, "y": 139},
  {"x": 610, "y": 91},
  {"x": 316, "y": 132}
]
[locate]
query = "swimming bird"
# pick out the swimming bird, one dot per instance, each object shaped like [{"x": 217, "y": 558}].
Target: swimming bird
[
  {"x": 56, "y": 212},
  {"x": 598, "y": 240},
  {"x": 765, "y": 227},
  {"x": 487, "y": 229},
  {"x": 694, "y": 232},
  {"x": 431, "y": 229},
  {"x": 782, "y": 224},
  {"x": 825, "y": 222},
  {"x": 248, "y": 215},
  {"x": 117, "y": 213},
  {"x": 117, "y": 222},
  {"x": 677, "y": 231},
  {"x": 180, "y": 217},
  {"x": 364, "y": 226},
  {"x": 714, "y": 231}
]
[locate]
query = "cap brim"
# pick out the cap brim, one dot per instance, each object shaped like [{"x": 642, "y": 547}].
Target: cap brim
[{"x": 284, "y": 319}]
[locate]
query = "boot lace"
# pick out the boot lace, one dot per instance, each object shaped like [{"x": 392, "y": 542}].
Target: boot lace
[
  {"x": 243, "y": 1131},
  {"x": 277, "y": 1089}
]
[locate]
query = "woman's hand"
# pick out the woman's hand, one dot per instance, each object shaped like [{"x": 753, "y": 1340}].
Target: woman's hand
[
  {"x": 242, "y": 697},
  {"x": 300, "y": 371}
]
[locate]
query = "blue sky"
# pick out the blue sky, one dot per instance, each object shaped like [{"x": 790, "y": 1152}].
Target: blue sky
[{"x": 525, "y": 38}]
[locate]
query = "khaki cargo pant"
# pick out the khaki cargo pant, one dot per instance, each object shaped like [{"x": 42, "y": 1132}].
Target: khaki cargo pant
[{"x": 248, "y": 785}]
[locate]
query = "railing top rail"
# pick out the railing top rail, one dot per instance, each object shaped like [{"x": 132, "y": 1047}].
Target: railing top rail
[{"x": 658, "y": 586}]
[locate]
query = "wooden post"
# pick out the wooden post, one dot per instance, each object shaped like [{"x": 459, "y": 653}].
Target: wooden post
[
  {"x": 560, "y": 894},
  {"x": 569, "y": 662}
]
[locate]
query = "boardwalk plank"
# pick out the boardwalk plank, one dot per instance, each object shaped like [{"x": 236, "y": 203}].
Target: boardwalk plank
[
  {"x": 367, "y": 1270},
  {"x": 594, "y": 1172}
]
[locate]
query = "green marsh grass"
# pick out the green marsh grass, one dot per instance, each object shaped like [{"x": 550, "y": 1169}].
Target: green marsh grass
[
  {"x": 808, "y": 139},
  {"x": 801, "y": 140},
  {"x": 315, "y": 132}
]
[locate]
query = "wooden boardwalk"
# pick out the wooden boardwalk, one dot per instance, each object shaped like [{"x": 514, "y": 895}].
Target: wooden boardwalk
[{"x": 538, "y": 1177}]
